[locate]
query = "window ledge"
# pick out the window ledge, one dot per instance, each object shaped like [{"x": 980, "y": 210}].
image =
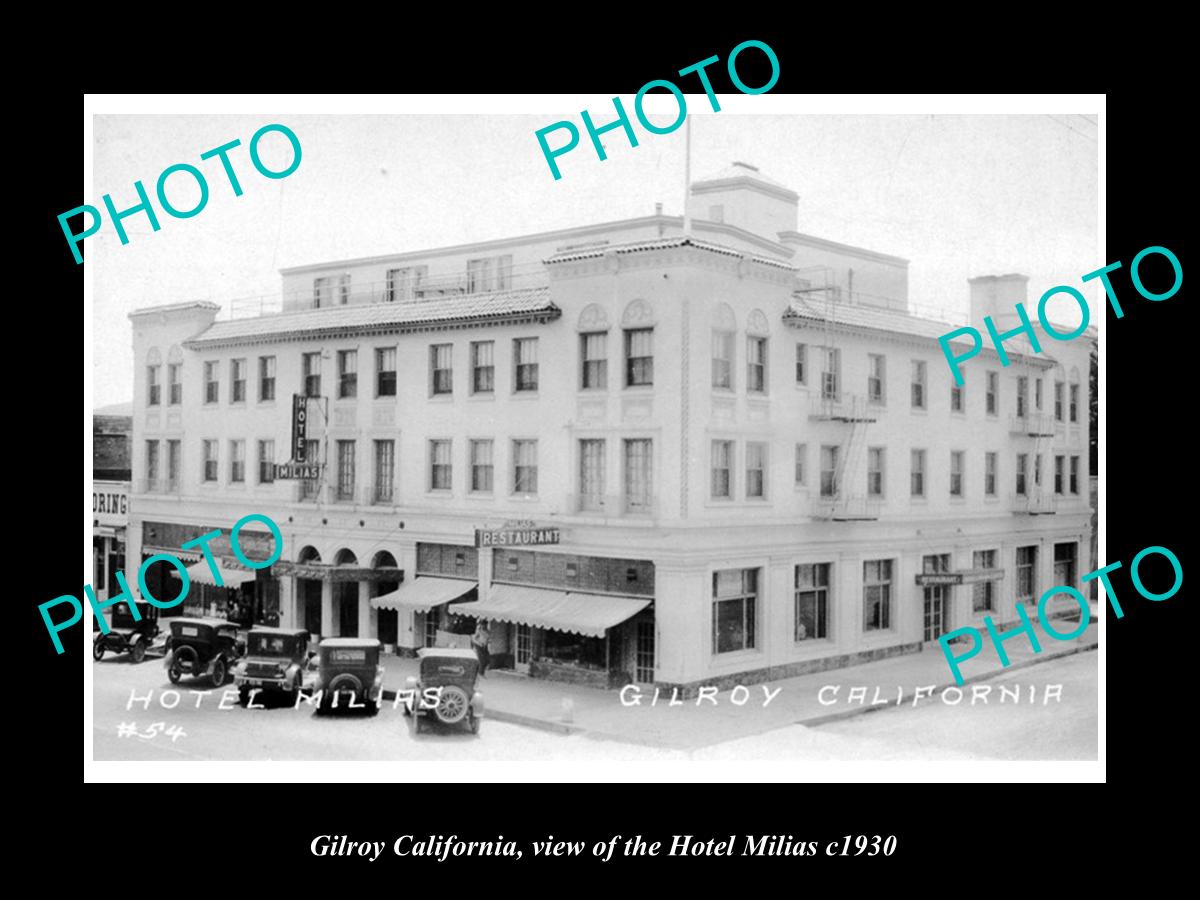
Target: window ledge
[{"x": 524, "y": 395}]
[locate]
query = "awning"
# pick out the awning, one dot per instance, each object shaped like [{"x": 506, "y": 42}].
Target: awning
[
  {"x": 201, "y": 573},
  {"x": 590, "y": 614},
  {"x": 423, "y": 594}
]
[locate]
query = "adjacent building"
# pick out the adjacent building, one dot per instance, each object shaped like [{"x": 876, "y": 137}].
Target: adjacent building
[
  {"x": 112, "y": 429},
  {"x": 710, "y": 451}
]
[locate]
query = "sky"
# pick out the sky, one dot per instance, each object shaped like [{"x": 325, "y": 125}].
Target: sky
[{"x": 957, "y": 195}]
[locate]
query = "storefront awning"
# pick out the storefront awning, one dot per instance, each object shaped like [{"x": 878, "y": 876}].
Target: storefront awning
[
  {"x": 590, "y": 614},
  {"x": 201, "y": 573},
  {"x": 423, "y": 594}
]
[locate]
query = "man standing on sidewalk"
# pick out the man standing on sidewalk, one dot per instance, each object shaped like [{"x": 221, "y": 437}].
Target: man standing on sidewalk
[{"x": 479, "y": 640}]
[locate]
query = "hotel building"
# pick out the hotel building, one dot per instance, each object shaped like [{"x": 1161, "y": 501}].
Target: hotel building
[{"x": 655, "y": 450}]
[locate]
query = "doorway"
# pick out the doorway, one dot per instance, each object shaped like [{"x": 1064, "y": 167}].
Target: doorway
[
  {"x": 524, "y": 648},
  {"x": 935, "y": 612},
  {"x": 644, "y": 662}
]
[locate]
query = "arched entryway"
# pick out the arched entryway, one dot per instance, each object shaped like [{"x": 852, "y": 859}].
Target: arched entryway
[
  {"x": 308, "y": 594},
  {"x": 388, "y": 624},
  {"x": 345, "y": 597}
]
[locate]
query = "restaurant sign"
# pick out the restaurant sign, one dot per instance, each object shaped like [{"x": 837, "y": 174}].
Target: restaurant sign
[
  {"x": 966, "y": 576},
  {"x": 516, "y": 533}
]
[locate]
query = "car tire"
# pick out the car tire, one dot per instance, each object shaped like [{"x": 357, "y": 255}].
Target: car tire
[
  {"x": 97, "y": 651},
  {"x": 453, "y": 705},
  {"x": 174, "y": 673},
  {"x": 138, "y": 651},
  {"x": 219, "y": 672}
]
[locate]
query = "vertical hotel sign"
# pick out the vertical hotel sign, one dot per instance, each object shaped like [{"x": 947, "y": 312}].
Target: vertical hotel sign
[{"x": 299, "y": 428}]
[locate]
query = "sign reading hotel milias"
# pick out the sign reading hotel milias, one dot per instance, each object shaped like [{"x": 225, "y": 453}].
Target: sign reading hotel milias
[
  {"x": 967, "y": 576},
  {"x": 299, "y": 467},
  {"x": 516, "y": 532}
]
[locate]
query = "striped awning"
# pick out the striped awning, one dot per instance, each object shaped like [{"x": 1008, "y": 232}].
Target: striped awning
[
  {"x": 202, "y": 573},
  {"x": 590, "y": 614},
  {"x": 423, "y": 593}
]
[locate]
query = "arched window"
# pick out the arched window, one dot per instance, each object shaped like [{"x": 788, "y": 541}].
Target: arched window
[
  {"x": 638, "y": 326},
  {"x": 593, "y": 347}
]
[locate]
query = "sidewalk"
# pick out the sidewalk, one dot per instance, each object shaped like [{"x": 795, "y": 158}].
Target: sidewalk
[{"x": 570, "y": 709}]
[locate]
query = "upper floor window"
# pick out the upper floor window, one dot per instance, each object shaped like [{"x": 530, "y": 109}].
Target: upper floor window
[
  {"x": 174, "y": 383},
  {"x": 639, "y": 483},
  {"x": 209, "y": 448},
  {"x": 989, "y": 473},
  {"x": 266, "y": 462},
  {"x": 237, "y": 462},
  {"x": 152, "y": 465},
  {"x": 525, "y": 467},
  {"x": 331, "y": 290},
  {"x": 831, "y": 374},
  {"x": 406, "y": 283},
  {"x": 385, "y": 371},
  {"x": 875, "y": 457},
  {"x": 876, "y": 376},
  {"x": 441, "y": 370},
  {"x": 1037, "y": 394},
  {"x": 266, "y": 378},
  {"x": 1074, "y": 474},
  {"x": 917, "y": 488},
  {"x": 957, "y": 397},
  {"x": 311, "y": 369},
  {"x": 525, "y": 364},
  {"x": 756, "y": 470},
  {"x": 993, "y": 393},
  {"x": 212, "y": 384},
  {"x": 1074, "y": 403},
  {"x": 802, "y": 364},
  {"x": 591, "y": 473},
  {"x": 493, "y": 273},
  {"x": 1058, "y": 400},
  {"x": 722, "y": 359},
  {"x": 481, "y": 466},
  {"x": 918, "y": 384},
  {"x": 756, "y": 365},
  {"x": 237, "y": 381},
  {"x": 483, "y": 367},
  {"x": 594, "y": 353},
  {"x": 440, "y": 473},
  {"x": 639, "y": 356},
  {"x": 1022, "y": 396},
  {"x": 956, "y": 473},
  {"x": 801, "y": 464},
  {"x": 722, "y": 470},
  {"x": 1022, "y": 473},
  {"x": 153, "y": 388},
  {"x": 347, "y": 373},
  {"x": 829, "y": 461}
]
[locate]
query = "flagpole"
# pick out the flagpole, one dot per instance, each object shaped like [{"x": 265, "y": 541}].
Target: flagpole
[{"x": 687, "y": 175}]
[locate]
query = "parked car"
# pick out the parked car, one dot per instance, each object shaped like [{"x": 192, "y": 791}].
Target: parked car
[
  {"x": 453, "y": 672},
  {"x": 199, "y": 647},
  {"x": 348, "y": 671},
  {"x": 275, "y": 661},
  {"x": 127, "y": 634}
]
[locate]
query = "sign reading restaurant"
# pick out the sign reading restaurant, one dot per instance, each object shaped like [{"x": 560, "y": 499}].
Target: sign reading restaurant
[
  {"x": 967, "y": 576},
  {"x": 515, "y": 533}
]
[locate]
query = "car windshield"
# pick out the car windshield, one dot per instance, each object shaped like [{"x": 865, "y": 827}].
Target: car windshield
[
  {"x": 448, "y": 667},
  {"x": 123, "y": 618},
  {"x": 272, "y": 645}
]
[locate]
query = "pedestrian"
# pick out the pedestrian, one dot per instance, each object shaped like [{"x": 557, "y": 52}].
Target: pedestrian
[{"x": 479, "y": 640}]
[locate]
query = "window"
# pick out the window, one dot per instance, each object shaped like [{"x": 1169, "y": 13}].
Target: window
[
  {"x": 722, "y": 359},
  {"x": 1058, "y": 401},
  {"x": 639, "y": 356},
  {"x": 405, "y": 284},
  {"x": 481, "y": 467},
  {"x": 956, "y": 473},
  {"x": 917, "y": 487},
  {"x": 734, "y": 594},
  {"x": 876, "y": 368},
  {"x": 237, "y": 379},
  {"x": 210, "y": 460},
  {"x": 345, "y": 470},
  {"x": 266, "y": 462},
  {"x": 1022, "y": 396},
  {"x": 493, "y": 273},
  {"x": 1064, "y": 562},
  {"x": 989, "y": 474},
  {"x": 311, "y": 369},
  {"x": 957, "y": 396},
  {"x": 483, "y": 367},
  {"x": 153, "y": 388},
  {"x": 266, "y": 379},
  {"x": 385, "y": 468},
  {"x": 525, "y": 467},
  {"x": 310, "y": 487},
  {"x": 385, "y": 371},
  {"x": 983, "y": 593},
  {"x": 829, "y": 460},
  {"x": 594, "y": 353},
  {"x": 152, "y": 465},
  {"x": 1074, "y": 474},
  {"x": 331, "y": 290},
  {"x": 525, "y": 372},
  {"x": 877, "y": 594},
  {"x": 1037, "y": 470},
  {"x": 173, "y": 465},
  {"x": 756, "y": 470},
  {"x": 1037, "y": 394},
  {"x": 439, "y": 466},
  {"x": 212, "y": 384},
  {"x": 722, "y": 469},
  {"x": 1074, "y": 403},
  {"x": 756, "y": 365},
  {"x": 801, "y": 464},
  {"x": 875, "y": 471},
  {"x": 639, "y": 487},
  {"x": 812, "y": 602},
  {"x": 237, "y": 462},
  {"x": 1022, "y": 472},
  {"x": 1026, "y": 573},
  {"x": 440, "y": 364},
  {"x": 802, "y": 364},
  {"x": 993, "y": 393},
  {"x": 831, "y": 373},
  {"x": 591, "y": 474},
  {"x": 347, "y": 373},
  {"x": 1060, "y": 472},
  {"x": 918, "y": 384}
]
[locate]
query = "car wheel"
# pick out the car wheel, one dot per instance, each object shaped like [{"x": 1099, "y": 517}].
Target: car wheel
[
  {"x": 138, "y": 652},
  {"x": 97, "y": 650},
  {"x": 219, "y": 672},
  {"x": 174, "y": 673},
  {"x": 453, "y": 705}
]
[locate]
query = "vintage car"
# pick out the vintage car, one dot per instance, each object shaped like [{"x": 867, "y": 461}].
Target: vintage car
[
  {"x": 127, "y": 634},
  {"x": 275, "y": 661},
  {"x": 453, "y": 672},
  {"x": 348, "y": 671},
  {"x": 199, "y": 647}
]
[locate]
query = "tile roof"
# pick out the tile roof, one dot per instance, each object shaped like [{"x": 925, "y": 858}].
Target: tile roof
[
  {"x": 384, "y": 317},
  {"x": 659, "y": 244}
]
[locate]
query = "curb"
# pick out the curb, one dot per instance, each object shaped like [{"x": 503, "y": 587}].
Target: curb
[{"x": 500, "y": 715}]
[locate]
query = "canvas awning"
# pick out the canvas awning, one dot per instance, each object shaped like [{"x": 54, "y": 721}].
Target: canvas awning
[
  {"x": 423, "y": 593},
  {"x": 590, "y": 614},
  {"x": 201, "y": 573}
]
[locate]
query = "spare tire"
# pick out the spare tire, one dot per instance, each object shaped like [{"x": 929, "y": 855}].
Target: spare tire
[
  {"x": 453, "y": 705},
  {"x": 346, "y": 684}
]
